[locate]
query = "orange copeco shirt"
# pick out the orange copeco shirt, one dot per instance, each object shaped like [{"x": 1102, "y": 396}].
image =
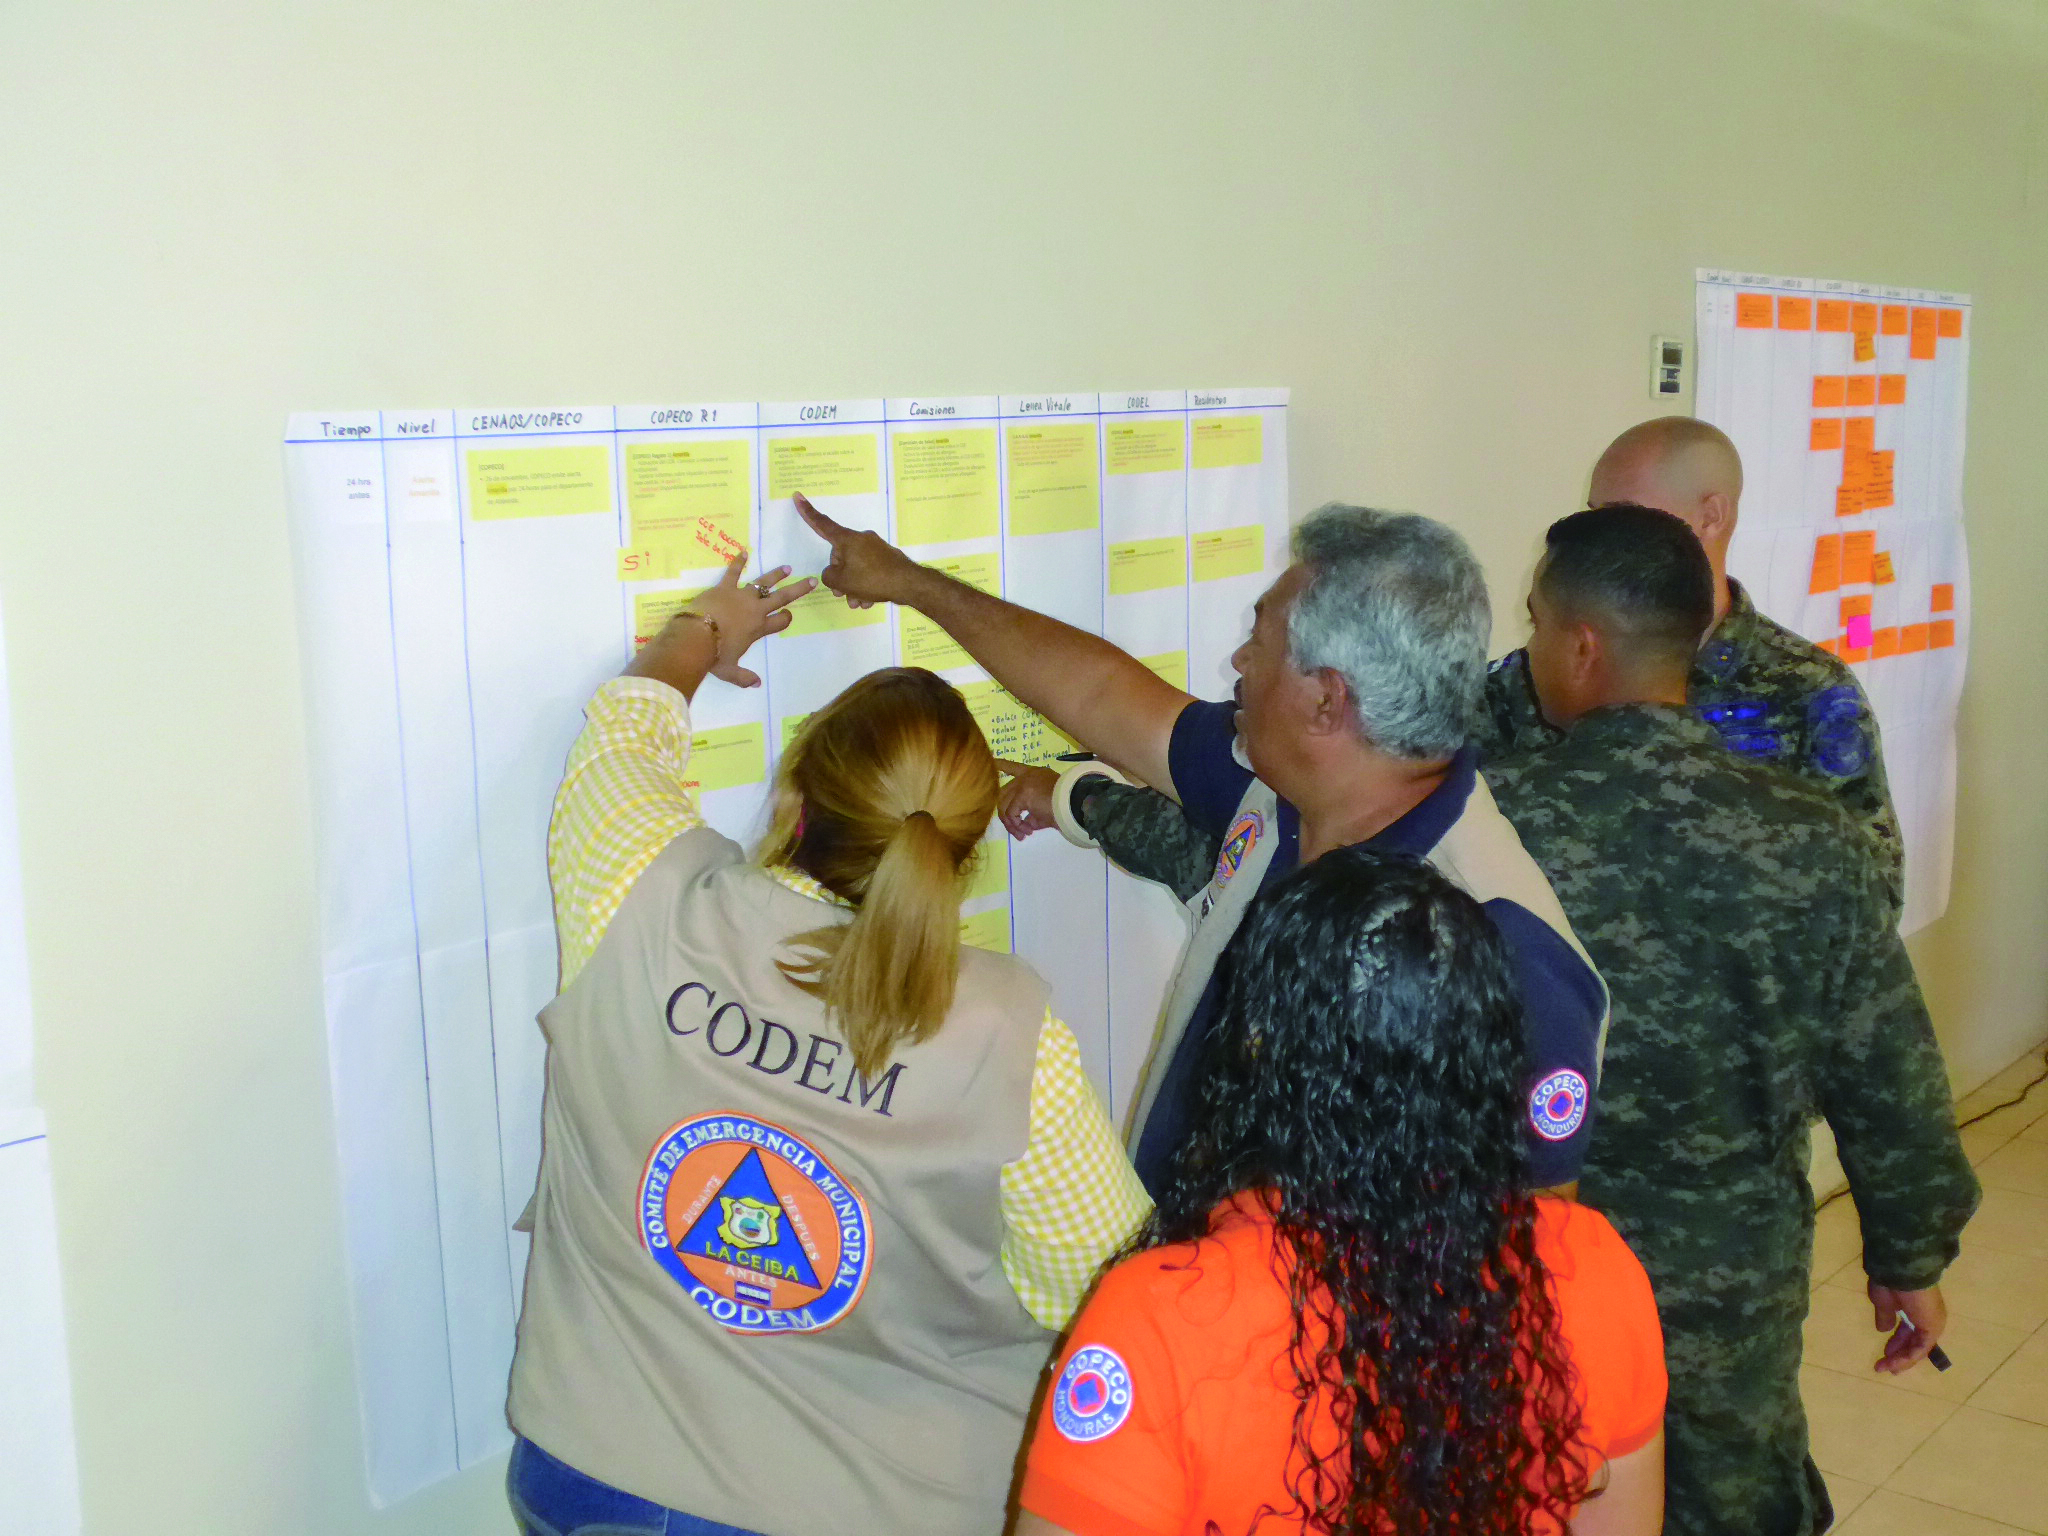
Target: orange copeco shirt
[{"x": 1174, "y": 1404}]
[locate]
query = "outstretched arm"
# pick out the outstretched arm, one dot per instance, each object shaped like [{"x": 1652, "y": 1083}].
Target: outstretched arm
[
  {"x": 625, "y": 793},
  {"x": 1095, "y": 693}
]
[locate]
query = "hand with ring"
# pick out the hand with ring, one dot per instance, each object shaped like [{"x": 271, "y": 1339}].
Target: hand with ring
[{"x": 744, "y": 612}]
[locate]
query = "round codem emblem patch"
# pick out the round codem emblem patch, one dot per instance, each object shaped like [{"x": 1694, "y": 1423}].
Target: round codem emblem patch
[
  {"x": 1093, "y": 1396},
  {"x": 1238, "y": 842},
  {"x": 1557, "y": 1105},
  {"x": 760, "y": 1230}
]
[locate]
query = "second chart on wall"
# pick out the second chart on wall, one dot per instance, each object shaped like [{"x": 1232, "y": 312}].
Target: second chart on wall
[{"x": 1848, "y": 403}]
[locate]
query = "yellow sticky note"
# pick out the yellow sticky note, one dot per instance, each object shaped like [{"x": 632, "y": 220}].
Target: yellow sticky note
[
  {"x": 1039, "y": 741},
  {"x": 945, "y": 485},
  {"x": 1144, "y": 447},
  {"x": 844, "y": 464},
  {"x": 1218, "y": 442},
  {"x": 1055, "y": 486},
  {"x": 666, "y": 561},
  {"x": 924, "y": 643},
  {"x": 991, "y": 873},
  {"x": 1228, "y": 552},
  {"x": 1146, "y": 565},
  {"x": 987, "y": 930},
  {"x": 651, "y": 610},
  {"x": 791, "y": 724},
  {"x": 727, "y": 757},
  {"x": 1170, "y": 665},
  {"x": 1014, "y": 730},
  {"x": 992, "y": 706},
  {"x": 539, "y": 482},
  {"x": 671, "y": 486},
  {"x": 819, "y": 610}
]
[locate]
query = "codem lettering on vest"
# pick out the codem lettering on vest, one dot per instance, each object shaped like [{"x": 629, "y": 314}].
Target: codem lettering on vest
[{"x": 727, "y": 1029}]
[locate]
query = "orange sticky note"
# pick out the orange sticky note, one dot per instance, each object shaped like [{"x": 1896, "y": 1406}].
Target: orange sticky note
[
  {"x": 1827, "y": 433},
  {"x": 1940, "y": 633},
  {"x": 1951, "y": 323},
  {"x": 1944, "y": 597},
  {"x": 1848, "y": 501},
  {"x": 1827, "y": 563},
  {"x": 1753, "y": 311},
  {"x": 1925, "y": 324},
  {"x": 1829, "y": 389},
  {"x": 1912, "y": 637},
  {"x": 1863, "y": 317},
  {"x": 1831, "y": 315},
  {"x": 1866, "y": 347},
  {"x": 1830, "y": 645},
  {"x": 1860, "y": 431},
  {"x": 1881, "y": 573},
  {"x": 1862, "y": 389},
  {"x": 1877, "y": 481},
  {"x": 1855, "y": 468},
  {"x": 1891, "y": 389},
  {"x": 1794, "y": 314},
  {"x": 1895, "y": 319},
  {"x": 1884, "y": 642},
  {"x": 1859, "y": 553},
  {"x": 1854, "y": 653},
  {"x": 1855, "y": 606}
]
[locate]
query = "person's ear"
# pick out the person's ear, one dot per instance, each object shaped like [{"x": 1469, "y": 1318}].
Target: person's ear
[
  {"x": 1717, "y": 518},
  {"x": 1329, "y": 703},
  {"x": 1585, "y": 655}
]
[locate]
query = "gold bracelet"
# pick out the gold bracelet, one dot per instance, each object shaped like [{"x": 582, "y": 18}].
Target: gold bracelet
[{"x": 717, "y": 635}]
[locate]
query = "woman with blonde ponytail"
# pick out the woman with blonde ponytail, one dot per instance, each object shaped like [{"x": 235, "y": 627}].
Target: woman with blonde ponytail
[{"x": 819, "y": 1183}]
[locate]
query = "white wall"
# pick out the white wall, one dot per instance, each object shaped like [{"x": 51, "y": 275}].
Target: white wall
[{"x": 1452, "y": 229}]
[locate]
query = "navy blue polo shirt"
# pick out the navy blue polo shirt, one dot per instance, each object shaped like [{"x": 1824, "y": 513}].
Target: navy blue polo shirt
[{"x": 1564, "y": 1000}]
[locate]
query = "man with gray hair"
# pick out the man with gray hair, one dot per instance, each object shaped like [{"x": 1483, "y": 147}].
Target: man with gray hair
[{"x": 1357, "y": 689}]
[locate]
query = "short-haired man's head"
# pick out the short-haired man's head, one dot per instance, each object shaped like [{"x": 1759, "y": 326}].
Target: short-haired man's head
[
  {"x": 1636, "y": 575},
  {"x": 1680, "y": 464},
  {"x": 1396, "y": 605}
]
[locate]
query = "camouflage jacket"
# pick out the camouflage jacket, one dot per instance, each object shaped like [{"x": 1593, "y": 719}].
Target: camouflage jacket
[
  {"x": 1770, "y": 696},
  {"x": 1758, "y": 981},
  {"x": 1143, "y": 831}
]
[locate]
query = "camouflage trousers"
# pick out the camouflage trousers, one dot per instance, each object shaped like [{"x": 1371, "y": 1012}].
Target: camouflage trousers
[{"x": 1735, "y": 1454}]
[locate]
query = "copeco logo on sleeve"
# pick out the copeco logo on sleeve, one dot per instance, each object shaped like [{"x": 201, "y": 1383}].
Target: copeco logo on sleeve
[
  {"x": 1557, "y": 1105},
  {"x": 1093, "y": 1395},
  {"x": 755, "y": 1225}
]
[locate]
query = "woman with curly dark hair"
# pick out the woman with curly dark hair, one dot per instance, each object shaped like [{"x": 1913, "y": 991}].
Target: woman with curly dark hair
[{"x": 1346, "y": 1314}]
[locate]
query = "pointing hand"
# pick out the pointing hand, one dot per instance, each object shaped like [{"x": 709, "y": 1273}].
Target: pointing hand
[{"x": 865, "y": 568}]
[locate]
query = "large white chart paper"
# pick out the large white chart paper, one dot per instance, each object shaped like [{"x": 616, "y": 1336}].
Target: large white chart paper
[
  {"x": 1847, "y": 403},
  {"x": 468, "y": 578}
]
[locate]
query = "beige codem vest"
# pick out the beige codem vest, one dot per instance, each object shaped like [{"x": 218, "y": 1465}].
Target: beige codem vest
[{"x": 765, "y": 1289}]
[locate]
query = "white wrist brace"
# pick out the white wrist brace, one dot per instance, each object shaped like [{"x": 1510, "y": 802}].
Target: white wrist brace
[{"x": 1062, "y": 797}]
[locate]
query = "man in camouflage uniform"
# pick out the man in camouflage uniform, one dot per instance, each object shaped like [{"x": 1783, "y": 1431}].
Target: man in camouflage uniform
[
  {"x": 1758, "y": 980},
  {"x": 1768, "y": 694}
]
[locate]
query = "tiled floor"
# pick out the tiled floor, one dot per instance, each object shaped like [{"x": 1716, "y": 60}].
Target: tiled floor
[{"x": 1965, "y": 1452}]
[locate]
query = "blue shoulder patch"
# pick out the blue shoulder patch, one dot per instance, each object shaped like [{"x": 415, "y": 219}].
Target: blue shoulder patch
[
  {"x": 1742, "y": 724},
  {"x": 1838, "y": 740}
]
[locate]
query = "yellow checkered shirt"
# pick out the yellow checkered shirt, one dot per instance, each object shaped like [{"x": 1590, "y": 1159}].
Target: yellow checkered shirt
[{"x": 1068, "y": 1203}]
